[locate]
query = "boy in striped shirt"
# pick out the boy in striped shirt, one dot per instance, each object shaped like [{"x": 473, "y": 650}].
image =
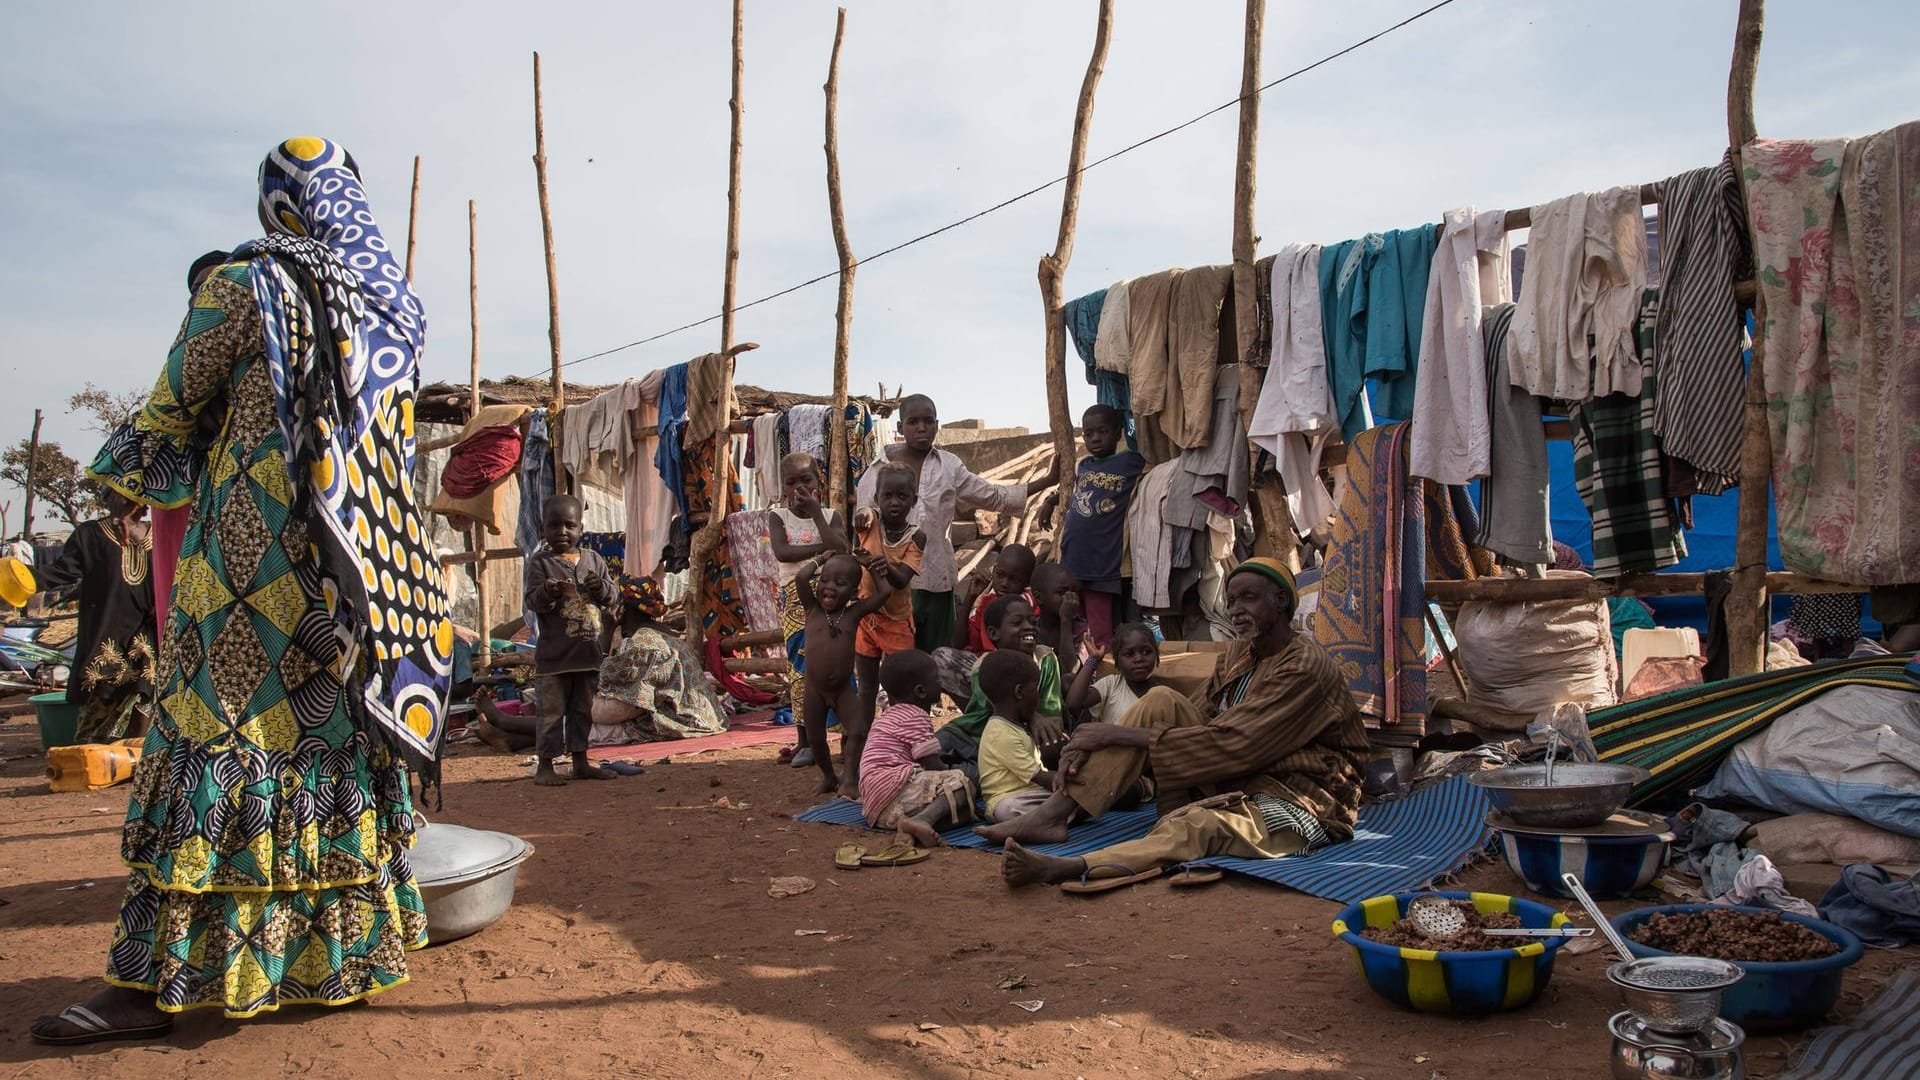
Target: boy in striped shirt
[{"x": 903, "y": 784}]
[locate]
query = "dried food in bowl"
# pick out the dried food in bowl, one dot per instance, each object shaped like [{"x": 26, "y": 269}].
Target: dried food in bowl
[
  {"x": 1447, "y": 981},
  {"x": 1772, "y": 996}
]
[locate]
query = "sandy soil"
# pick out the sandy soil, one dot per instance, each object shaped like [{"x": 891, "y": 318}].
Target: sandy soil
[{"x": 643, "y": 944}]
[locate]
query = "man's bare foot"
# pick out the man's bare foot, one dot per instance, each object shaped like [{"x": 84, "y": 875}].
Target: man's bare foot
[
  {"x": 123, "y": 1010},
  {"x": 850, "y": 787},
  {"x": 1019, "y": 867},
  {"x": 1036, "y": 826},
  {"x": 918, "y": 833},
  {"x": 587, "y": 770},
  {"x": 828, "y": 785},
  {"x": 492, "y": 736},
  {"x": 546, "y": 777}
]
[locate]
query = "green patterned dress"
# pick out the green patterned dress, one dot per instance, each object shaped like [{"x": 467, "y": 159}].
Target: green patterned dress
[{"x": 267, "y": 830}]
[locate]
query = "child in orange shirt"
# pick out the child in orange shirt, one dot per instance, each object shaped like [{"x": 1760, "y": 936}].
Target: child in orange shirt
[{"x": 895, "y": 543}]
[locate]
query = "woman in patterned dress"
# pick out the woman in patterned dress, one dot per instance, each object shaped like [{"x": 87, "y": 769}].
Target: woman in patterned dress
[{"x": 309, "y": 643}]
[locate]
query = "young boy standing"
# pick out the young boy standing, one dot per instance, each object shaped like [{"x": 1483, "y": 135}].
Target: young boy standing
[
  {"x": 568, "y": 590},
  {"x": 1092, "y": 543},
  {"x": 834, "y": 611},
  {"x": 903, "y": 784},
  {"x": 897, "y": 548},
  {"x": 945, "y": 489},
  {"x": 802, "y": 529}
]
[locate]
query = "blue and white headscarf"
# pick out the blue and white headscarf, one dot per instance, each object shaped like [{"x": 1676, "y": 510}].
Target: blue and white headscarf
[{"x": 344, "y": 332}]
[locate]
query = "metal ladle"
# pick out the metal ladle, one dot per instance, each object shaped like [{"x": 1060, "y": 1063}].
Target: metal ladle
[{"x": 1572, "y": 882}]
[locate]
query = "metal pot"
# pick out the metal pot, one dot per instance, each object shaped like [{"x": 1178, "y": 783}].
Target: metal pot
[
  {"x": 466, "y": 877},
  {"x": 1580, "y": 795},
  {"x": 1643, "y": 1054},
  {"x": 1674, "y": 995}
]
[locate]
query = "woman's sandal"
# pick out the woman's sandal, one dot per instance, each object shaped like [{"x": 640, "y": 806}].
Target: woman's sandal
[
  {"x": 896, "y": 855},
  {"x": 1192, "y": 877},
  {"x": 848, "y": 856},
  {"x": 1088, "y": 884},
  {"x": 93, "y": 1029}
]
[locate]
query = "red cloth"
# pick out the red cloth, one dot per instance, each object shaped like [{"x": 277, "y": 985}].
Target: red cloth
[
  {"x": 482, "y": 461},
  {"x": 729, "y": 682},
  {"x": 169, "y": 529}
]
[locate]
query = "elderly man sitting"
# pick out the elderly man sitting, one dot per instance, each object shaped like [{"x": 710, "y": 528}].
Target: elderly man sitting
[{"x": 1272, "y": 752}]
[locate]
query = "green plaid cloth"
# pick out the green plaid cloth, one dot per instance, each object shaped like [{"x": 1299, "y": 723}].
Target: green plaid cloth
[{"x": 1617, "y": 465}]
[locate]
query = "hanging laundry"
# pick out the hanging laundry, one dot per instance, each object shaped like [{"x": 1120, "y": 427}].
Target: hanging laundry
[
  {"x": 536, "y": 482},
  {"x": 473, "y": 484},
  {"x": 722, "y": 601},
  {"x": 710, "y": 404},
  {"x": 1372, "y": 291},
  {"x": 1837, "y": 229},
  {"x": 807, "y": 430},
  {"x": 1088, "y": 318},
  {"x": 1194, "y": 337},
  {"x": 1112, "y": 351},
  {"x": 1259, "y": 351},
  {"x": 1082, "y": 317},
  {"x": 669, "y": 458},
  {"x": 767, "y": 455},
  {"x": 1219, "y": 468},
  {"x": 1391, "y": 534},
  {"x": 1451, "y": 442},
  {"x": 751, "y": 550},
  {"x": 1295, "y": 411},
  {"x": 1514, "y": 502},
  {"x": 596, "y": 440},
  {"x": 1617, "y": 464},
  {"x": 1573, "y": 335},
  {"x": 1149, "y": 302},
  {"x": 1150, "y": 538},
  {"x": 649, "y": 502},
  {"x": 1699, "y": 342}
]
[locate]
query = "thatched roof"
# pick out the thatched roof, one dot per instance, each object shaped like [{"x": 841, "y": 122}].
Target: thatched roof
[{"x": 446, "y": 403}]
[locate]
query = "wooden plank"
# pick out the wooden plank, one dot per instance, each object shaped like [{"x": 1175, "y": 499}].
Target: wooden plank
[
  {"x": 1639, "y": 585},
  {"x": 413, "y": 215},
  {"x": 465, "y": 557},
  {"x": 556, "y": 400},
  {"x": 843, "y": 310},
  {"x": 1747, "y": 604},
  {"x": 476, "y": 536},
  {"x": 756, "y": 665}
]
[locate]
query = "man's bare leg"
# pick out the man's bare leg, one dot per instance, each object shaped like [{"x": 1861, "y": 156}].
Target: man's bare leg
[
  {"x": 1044, "y": 824},
  {"x": 1019, "y": 867}
]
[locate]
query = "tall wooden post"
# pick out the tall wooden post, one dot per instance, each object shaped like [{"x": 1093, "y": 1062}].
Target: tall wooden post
[
  {"x": 843, "y": 313},
  {"x": 1747, "y": 604},
  {"x": 1053, "y": 267},
  {"x": 413, "y": 214},
  {"x": 557, "y": 401},
  {"x": 33, "y": 461},
  {"x": 709, "y": 534},
  {"x": 477, "y": 541}
]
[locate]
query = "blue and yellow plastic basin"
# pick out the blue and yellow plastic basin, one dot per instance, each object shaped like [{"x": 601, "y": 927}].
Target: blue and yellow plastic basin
[
  {"x": 1451, "y": 982},
  {"x": 1771, "y": 996}
]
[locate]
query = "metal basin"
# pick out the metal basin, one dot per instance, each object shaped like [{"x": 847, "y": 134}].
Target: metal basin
[
  {"x": 466, "y": 877},
  {"x": 1581, "y": 795},
  {"x": 1674, "y": 995}
]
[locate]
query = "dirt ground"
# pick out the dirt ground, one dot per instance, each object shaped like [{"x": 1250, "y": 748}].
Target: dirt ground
[{"x": 643, "y": 943}]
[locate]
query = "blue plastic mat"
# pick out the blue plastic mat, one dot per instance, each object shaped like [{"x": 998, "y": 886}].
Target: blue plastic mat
[
  {"x": 1397, "y": 846},
  {"x": 1088, "y": 836}
]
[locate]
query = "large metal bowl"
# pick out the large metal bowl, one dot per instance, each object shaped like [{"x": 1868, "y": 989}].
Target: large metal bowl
[
  {"x": 1581, "y": 795},
  {"x": 466, "y": 877}
]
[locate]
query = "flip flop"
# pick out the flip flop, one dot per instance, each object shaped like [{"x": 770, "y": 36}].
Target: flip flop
[
  {"x": 848, "y": 856},
  {"x": 1088, "y": 884},
  {"x": 624, "y": 768},
  {"x": 896, "y": 855},
  {"x": 1192, "y": 877},
  {"x": 93, "y": 1028}
]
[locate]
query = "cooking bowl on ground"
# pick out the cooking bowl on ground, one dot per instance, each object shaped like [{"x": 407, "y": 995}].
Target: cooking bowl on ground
[
  {"x": 1581, "y": 795},
  {"x": 1616, "y": 858},
  {"x": 1771, "y": 996},
  {"x": 1451, "y": 982},
  {"x": 466, "y": 877},
  {"x": 1674, "y": 995}
]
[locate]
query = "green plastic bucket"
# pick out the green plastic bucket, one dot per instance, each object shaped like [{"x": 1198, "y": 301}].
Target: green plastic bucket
[{"x": 58, "y": 718}]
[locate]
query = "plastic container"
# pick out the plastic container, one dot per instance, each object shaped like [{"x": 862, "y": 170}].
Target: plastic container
[
  {"x": 1772, "y": 997},
  {"x": 58, "y": 719},
  {"x": 1609, "y": 867},
  {"x": 1451, "y": 982},
  {"x": 90, "y": 766}
]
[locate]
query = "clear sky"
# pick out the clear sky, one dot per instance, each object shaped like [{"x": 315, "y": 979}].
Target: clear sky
[{"x": 133, "y": 132}]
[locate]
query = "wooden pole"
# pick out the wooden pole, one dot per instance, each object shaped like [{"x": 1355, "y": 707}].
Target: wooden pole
[
  {"x": 709, "y": 533},
  {"x": 477, "y": 537},
  {"x": 1747, "y": 603},
  {"x": 557, "y": 402},
  {"x": 843, "y": 314},
  {"x": 1273, "y": 525},
  {"x": 1053, "y": 268},
  {"x": 413, "y": 214},
  {"x": 33, "y": 460}
]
